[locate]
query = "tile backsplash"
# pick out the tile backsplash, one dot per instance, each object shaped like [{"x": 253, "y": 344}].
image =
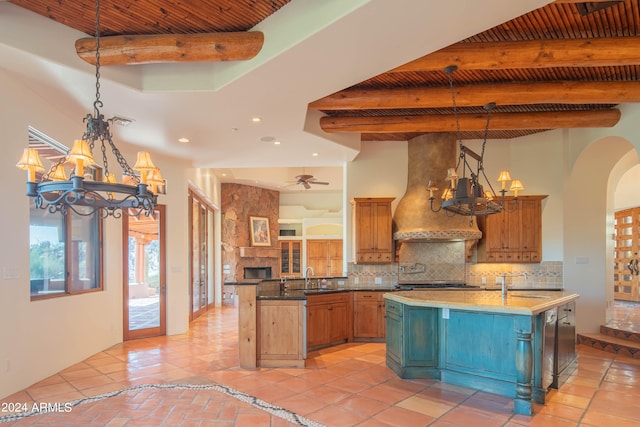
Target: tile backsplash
[{"x": 547, "y": 274}]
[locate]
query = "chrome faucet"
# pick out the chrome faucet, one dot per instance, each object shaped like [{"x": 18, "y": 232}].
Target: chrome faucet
[
  {"x": 505, "y": 287},
  {"x": 306, "y": 276}
]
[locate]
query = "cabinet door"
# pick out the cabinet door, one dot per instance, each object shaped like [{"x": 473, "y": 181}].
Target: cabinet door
[
  {"x": 394, "y": 336},
  {"x": 531, "y": 212},
  {"x": 383, "y": 237},
  {"x": 317, "y": 325},
  {"x": 338, "y": 322},
  {"x": 290, "y": 257},
  {"x": 317, "y": 251},
  {"x": 335, "y": 258},
  {"x": 366, "y": 316}
]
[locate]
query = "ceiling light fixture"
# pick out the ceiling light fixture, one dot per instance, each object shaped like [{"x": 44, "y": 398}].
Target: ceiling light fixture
[
  {"x": 89, "y": 191},
  {"x": 465, "y": 195}
]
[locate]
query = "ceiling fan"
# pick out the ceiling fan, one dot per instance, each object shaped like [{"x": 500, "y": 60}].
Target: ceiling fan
[{"x": 306, "y": 180}]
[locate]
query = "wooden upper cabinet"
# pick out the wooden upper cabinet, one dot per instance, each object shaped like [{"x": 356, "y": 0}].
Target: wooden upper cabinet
[
  {"x": 515, "y": 234},
  {"x": 325, "y": 257},
  {"x": 373, "y": 239},
  {"x": 290, "y": 257}
]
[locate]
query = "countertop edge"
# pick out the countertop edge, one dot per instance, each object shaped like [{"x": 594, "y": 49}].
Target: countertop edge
[{"x": 528, "y": 309}]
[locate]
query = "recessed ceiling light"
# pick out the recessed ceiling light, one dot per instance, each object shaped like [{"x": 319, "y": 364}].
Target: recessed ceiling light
[
  {"x": 256, "y": 119},
  {"x": 276, "y": 142},
  {"x": 183, "y": 140},
  {"x": 315, "y": 154}
]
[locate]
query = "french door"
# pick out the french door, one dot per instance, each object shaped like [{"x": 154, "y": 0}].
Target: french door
[
  {"x": 200, "y": 274},
  {"x": 144, "y": 278}
]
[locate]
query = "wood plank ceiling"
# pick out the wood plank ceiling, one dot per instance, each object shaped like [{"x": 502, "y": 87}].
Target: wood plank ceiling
[{"x": 565, "y": 65}]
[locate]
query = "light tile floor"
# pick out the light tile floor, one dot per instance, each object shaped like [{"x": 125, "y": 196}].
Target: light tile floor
[{"x": 194, "y": 380}]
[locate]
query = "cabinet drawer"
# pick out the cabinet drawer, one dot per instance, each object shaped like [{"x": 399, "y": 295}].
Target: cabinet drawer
[
  {"x": 394, "y": 308},
  {"x": 368, "y": 296},
  {"x": 340, "y": 297}
]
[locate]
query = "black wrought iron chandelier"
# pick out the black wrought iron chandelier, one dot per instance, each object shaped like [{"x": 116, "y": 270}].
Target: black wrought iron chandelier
[
  {"x": 465, "y": 195},
  {"x": 89, "y": 190}
]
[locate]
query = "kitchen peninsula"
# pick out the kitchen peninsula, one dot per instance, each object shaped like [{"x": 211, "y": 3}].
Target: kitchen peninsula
[
  {"x": 280, "y": 320},
  {"x": 477, "y": 339}
]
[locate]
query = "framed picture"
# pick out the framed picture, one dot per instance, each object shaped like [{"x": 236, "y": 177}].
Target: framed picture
[{"x": 259, "y": 231}]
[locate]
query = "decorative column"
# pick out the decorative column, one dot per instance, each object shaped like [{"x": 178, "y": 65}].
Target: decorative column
[{"x": 524, "y": 365}]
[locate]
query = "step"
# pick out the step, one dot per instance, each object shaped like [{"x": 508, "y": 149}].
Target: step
[
  {"x": 618, "y": 332},
  {"x": 610, "y": 344}
]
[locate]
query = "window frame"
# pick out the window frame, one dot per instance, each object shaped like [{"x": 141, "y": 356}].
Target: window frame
[{"x": 96, "y": 228}]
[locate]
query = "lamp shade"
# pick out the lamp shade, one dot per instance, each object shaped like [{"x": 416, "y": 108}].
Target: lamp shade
[
  {"x": 504, "y": 177},
  {"x": 30, "y": 161},
  {"x": 80, "y": 154},
  {"x": 155, "y": 179},
  {"x": 516, "y": 186},
  {"x": 144, "y": 165},
  {"x": 58, "y": 173}
]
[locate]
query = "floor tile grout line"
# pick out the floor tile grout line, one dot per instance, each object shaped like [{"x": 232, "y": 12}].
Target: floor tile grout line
[{"x": 229, "y": 391}]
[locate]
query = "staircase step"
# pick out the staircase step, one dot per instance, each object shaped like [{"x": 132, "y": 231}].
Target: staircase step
[
  {"x": 610, "y": 344},
  {"x": 620, "y": 333}
]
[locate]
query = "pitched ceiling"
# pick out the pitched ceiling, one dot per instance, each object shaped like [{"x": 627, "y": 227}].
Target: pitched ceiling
[{"x": 566, "y": 64}]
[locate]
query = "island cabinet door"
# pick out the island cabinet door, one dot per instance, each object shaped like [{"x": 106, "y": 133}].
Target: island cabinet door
[
  {"x": 393, "y": 339},
  {"x": 420, "y": 333}
]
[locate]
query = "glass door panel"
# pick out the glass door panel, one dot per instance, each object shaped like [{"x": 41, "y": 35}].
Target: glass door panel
[{"x": 144, "y": 276}]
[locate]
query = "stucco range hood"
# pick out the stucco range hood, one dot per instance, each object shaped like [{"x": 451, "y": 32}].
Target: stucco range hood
[
  {"x": 432, "y": 246},
  {"x": 429, "y": 157}
]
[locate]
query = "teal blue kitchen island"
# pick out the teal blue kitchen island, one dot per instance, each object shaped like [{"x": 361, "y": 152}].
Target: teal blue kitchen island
[{"x": 478, "y": 339}]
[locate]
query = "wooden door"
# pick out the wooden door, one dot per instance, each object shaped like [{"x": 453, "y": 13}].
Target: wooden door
[
  {"x": 365, "y": 315},
  {"x": 338, "y": 322},
  {"x": 335, "y": 257},
  {"x": 317, "y": 324},
  {"x": 290, "y": 257},
  {"x": 626, "y": 270},
  {"x": 317, "y": 256},
  {"x": 383, "y": 235},
  {"x": 365, "y": 227}
]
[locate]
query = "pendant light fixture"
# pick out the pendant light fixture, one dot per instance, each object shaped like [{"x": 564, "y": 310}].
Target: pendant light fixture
[
  {"x": 465, "y": 195},
  {"x": 90, "y": 190}
]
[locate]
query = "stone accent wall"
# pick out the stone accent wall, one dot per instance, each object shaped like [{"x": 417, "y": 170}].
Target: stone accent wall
[{"x": 239, "y": 202}]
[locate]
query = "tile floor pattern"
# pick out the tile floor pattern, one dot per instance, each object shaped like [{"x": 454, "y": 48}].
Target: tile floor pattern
[{"x": 193, "y": 379}]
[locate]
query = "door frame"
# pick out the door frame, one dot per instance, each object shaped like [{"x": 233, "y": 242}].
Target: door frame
[{"x": 162, "y": 328}]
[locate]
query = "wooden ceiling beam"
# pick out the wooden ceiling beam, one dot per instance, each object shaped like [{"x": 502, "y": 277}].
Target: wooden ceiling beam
[
  {"x": 472, "y": 122},
  {"x": 593, "y": 52},
  {"x": 143, "y": 49},
  {"x": 567, "y": 92}
]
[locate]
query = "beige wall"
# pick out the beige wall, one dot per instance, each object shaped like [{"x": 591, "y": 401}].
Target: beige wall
[{"x": 42, "y": 337}]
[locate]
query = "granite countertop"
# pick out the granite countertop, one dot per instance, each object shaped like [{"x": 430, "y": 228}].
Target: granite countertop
[
  {"x": 302, "y": 294},
  {"x": 516, "y": 302}
]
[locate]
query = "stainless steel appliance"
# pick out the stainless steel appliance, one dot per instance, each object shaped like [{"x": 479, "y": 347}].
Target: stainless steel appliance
[
  {"x": 549, "y": 349},
  {"x": 566, "y": 341}
]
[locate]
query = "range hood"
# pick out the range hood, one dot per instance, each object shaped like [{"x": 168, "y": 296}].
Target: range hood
[{"x": 429, "y": 157}]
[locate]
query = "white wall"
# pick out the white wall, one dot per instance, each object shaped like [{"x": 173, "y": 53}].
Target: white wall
[
  {"x": 379, "y": 170},
  {"x": 42, "y": 337}
]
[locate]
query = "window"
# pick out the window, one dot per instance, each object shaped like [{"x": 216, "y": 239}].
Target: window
[{"x": 65, "y": 250}]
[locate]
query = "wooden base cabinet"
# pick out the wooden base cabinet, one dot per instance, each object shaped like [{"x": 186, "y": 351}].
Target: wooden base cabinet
[
  {"x": 281, "y": 340},
  {"x": 329, "y": 319},
  {"x": 369, "y": 316}
]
